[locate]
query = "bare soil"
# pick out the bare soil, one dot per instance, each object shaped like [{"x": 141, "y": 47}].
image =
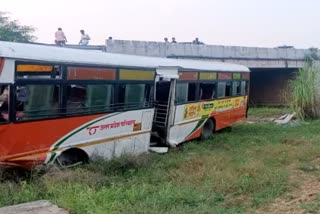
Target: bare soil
[{"x": 305, "y": 190}]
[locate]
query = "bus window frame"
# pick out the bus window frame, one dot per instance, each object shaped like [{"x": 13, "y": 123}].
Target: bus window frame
[
  {"x": 225, "y": 97},
  {"x": 215, "y": 82},
  {"x": 64, "y": 82},
  {"x": 23, "y": 83},
  {"x": 10, "y": 106},
  {"x": 232, "y": 88},
  {"x": 197, "y": 92},
  {"x": 118, "y": 106}
]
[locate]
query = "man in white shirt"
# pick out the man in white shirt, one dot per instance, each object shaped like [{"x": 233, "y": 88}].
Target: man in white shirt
[{"x": 84, "y": 38}]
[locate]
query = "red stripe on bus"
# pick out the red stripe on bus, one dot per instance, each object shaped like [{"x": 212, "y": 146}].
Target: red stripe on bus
[
  {"x": 83, "y": 73},
  {"x": 225, "y": 76},
  {"x": 188, "y": 75}
]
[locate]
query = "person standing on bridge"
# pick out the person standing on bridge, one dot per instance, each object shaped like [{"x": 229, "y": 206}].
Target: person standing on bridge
[
  {"x": 84, "y": 38},
  {"x": 60, "y": 37},
  {"x": 197, "y": 42}
]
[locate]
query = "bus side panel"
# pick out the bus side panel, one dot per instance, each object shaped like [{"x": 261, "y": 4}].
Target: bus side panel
[
  {"x": 19, "y": 139},
  {"x": 184, "y": 125},
  {"x": 110, "y": 136},
  {"x": 190, "y": 118},
  {"x": 41, "y": 141},
  {"x": 226, "y": 119}
]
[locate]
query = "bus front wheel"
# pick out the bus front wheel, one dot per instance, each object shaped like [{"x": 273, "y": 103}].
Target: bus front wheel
[
  {"x": 72, "y": 157},
  {"x": 207, "y": 130}
]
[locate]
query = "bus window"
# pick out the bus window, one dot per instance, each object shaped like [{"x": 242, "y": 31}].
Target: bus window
[
  {"x": 182, "y": 92},
  {"x": 99, "y": 97},
  {"x": 244, "y": 88},
  {"x": 221, "y": 89},
  {"x": 76, "y": 98},
  {"x": 149, "y": 95},
  {"x": 185, "y": 92},
  {"x": 132, "y": 96},
  {"x": 93, "y": 98},
  {"x": 37, "y": 101},
  {"x": 207, "y": 91},
  {"x": 228, "y": 89},
  {"x": 192, "y": 92},
  {"x": 224, "y": 89},
  {"x": 236, "y": 88},
  {"x": 4, "y": 103}
]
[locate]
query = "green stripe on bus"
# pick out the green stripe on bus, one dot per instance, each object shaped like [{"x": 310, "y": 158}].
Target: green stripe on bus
[
  {"x": 80, "y": 129},
  {"x": 52, "y": 157},
  {"x": 200, "y": 122}
]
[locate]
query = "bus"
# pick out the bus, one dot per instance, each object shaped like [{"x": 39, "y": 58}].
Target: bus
[{"x": 66, "y": 106}]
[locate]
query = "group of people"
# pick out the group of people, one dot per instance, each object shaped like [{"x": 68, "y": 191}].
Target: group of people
[
  {"x": 61, "y": 39},
  {"x": 173, "y": 40}
]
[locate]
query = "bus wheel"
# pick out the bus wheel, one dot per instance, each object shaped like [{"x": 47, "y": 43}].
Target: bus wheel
[
  {"x": 207, "y": 130},
  {"x": 72, "y": 157}
]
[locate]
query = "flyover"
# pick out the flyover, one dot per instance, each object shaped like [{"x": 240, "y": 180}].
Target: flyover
[{"x": 271, "y": 67}]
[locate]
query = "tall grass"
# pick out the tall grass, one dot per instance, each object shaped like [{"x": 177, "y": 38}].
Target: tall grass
[{"x": 305, "y": 92}]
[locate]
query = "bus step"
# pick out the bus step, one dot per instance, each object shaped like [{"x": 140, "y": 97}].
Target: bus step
[
  {"x": 159, "y": 150},
  {"x": 154, "y": 143}
]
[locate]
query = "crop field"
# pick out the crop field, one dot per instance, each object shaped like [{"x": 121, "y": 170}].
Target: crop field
[{"x": 254, "y": 167}]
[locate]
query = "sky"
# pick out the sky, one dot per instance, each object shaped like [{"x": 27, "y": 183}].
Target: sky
[{"x": 253, "y": 23}]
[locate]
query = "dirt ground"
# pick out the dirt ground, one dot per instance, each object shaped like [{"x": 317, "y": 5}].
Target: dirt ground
[
  {"x": 305, "y": 185},
  {"x": 306, "y": 188}
]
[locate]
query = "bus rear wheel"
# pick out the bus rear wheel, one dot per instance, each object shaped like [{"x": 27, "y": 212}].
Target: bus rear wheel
[{"x": 207, "y": 129}]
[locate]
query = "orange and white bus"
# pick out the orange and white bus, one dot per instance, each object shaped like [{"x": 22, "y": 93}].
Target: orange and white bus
[{"x": 65, "y": 106}]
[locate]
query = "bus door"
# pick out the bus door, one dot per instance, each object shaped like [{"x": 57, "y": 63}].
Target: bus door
[{"x": 164, "y": 101}]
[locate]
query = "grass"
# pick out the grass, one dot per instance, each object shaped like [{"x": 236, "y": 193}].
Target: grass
[
  {"x": 233, "y": 172},
  {"x": 312, "y": 207},
  {"x": 263, "y": 112}
]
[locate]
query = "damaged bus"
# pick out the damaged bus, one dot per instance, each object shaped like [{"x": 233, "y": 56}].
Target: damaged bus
[{"x": 65, "y": 106}]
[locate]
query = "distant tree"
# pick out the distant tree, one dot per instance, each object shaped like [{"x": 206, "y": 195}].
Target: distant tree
[
  {"x": 12, "y": 30},
  {"x": 311, "y": 55}
]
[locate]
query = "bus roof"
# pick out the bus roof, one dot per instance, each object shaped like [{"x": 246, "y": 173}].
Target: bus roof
[{"x": 43, "y": 53}]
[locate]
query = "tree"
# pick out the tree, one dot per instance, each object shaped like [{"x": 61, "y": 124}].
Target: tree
[{"x": 12, "y": 30}]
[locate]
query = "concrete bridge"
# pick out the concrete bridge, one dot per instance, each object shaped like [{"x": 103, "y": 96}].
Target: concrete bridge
[{"x": 271, "y": 67}]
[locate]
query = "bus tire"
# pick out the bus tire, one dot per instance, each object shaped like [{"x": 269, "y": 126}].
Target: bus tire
[
  {"x": 72, "y": 157},
  {"x": 207, "y": 129}
]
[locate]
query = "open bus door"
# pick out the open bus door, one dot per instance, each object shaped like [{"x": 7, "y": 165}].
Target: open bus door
[{"x": 164, "y": 103}]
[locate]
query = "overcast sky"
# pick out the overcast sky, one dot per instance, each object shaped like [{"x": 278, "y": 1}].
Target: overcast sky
[{"x": 262, "y": 23}]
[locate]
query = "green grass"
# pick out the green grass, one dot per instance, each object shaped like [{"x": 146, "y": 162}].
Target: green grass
[
  {"x": 312, "y": 207},
  {"x": 233, "y": 172},
  {"x": 268, "y": 111}
]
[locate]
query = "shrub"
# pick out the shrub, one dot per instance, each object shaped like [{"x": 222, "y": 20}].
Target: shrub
[{"x": 305, "y": 91}]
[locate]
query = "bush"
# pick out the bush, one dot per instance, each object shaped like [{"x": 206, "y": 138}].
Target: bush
[{"x": 305, "y": 89}]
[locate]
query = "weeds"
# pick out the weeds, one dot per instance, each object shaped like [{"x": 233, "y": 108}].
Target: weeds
[
  {"x": 305, "y": 88},
  {"x": 266, "y": 112}
]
